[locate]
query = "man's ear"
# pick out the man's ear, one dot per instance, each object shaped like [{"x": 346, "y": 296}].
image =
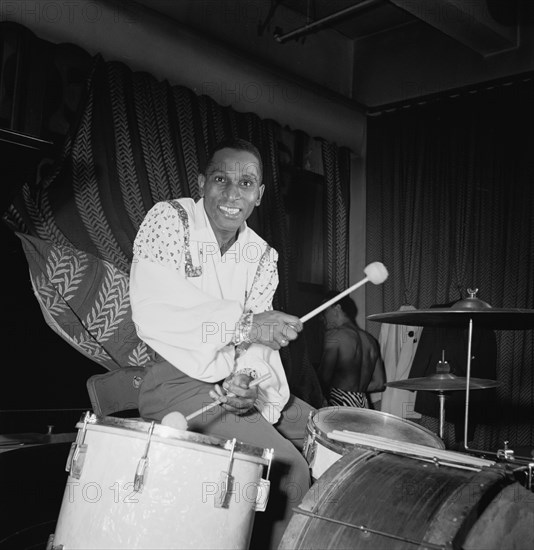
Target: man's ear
[
  {"x": 262, "y": 189},
  {"x": 201, "y": 181}
]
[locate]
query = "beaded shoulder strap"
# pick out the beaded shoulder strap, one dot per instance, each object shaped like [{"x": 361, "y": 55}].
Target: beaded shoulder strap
[
  {"x": 265, "y": 279},
  {"x": 190, "y": 269}
]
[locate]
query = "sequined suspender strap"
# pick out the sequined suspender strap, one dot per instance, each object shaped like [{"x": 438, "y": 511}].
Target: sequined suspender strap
[
  {"x": 263, "y": 278},
  {"x": 190, "y": 269}
]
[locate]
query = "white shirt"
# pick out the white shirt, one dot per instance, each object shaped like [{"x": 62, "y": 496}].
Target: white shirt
[{"x": 187, "y": 299}]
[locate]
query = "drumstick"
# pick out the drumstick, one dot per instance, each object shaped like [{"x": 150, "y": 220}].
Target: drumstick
[
  {"x": 423, "y": 451},
  {"x": 376, "y": 273},
  {"x": 206, "y": 408}
]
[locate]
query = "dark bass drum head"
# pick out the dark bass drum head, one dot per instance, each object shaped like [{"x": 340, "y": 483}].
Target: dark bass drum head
[{"x": 371, "y": 500}]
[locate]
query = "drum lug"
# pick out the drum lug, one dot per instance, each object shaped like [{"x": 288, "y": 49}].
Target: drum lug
[
  {"x": 142, "y": 465},
  {"x": 50, "y": 544},
  {"x": 77, "y": 452},
  {"x": 226, "y": 479},
  {"x": 264, "y": 485},
  {"x": 308, "y": 449}
]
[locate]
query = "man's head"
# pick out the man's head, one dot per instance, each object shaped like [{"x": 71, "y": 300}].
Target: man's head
[
  {"x": 231, "y": 186},
  {"x": 239, "y": 145},
  {"x": 342, "y": 310}
]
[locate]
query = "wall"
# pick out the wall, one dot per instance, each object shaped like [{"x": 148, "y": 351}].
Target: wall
[
  {"x": 145, "y": 40},
  {"x": 249, "y": 26}
]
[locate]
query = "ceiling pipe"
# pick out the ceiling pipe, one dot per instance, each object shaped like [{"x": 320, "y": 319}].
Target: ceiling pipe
[{"x": 280, "y": 38}]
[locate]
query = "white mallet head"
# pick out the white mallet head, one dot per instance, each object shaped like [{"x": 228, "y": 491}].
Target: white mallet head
[
  {"x": 175, "y": 420},
  {"x": 376, "y": 272}
]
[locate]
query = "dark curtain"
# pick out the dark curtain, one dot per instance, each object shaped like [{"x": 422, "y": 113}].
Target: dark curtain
[
  {"x": 450, "y": 206},
  {"x": 138, "y": 141}
]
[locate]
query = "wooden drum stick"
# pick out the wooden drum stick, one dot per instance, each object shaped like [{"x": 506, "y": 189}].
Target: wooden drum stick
[{"x": 205, "y": 408}]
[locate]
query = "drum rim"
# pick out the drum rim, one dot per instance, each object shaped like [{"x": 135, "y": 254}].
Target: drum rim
[
  {"x": 372, "y": 412},
  {"x": 169, "y": 433}
]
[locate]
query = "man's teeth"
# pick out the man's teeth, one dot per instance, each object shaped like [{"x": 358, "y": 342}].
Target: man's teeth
[{"x": 231, "y": 211}]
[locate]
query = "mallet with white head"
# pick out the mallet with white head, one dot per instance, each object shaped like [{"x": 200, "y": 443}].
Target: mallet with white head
[{"x": 375, "y": 272}]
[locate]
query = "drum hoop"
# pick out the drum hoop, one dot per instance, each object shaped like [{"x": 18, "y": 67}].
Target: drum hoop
[
  {"x": 334, "y": 446},
  {"x": 371, "y": 412},
  {"x": 167, "y": 434}
]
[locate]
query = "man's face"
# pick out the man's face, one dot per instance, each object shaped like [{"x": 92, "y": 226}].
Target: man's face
[{"x": 231, "y": 188}]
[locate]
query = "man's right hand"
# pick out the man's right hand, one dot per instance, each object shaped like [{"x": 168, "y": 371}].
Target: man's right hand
[{"x": 274, "y": 329}]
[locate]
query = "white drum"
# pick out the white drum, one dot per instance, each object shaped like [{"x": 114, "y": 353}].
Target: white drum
[
  {"x": 320, "y": 451},
  {"x": 135, "y": 484}
]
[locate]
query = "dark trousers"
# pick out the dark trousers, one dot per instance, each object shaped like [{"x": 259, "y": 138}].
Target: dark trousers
[{"x": 166, "y": 389}]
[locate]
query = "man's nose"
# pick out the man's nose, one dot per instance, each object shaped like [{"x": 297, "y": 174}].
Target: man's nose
[{"x": 232, "y": 190}]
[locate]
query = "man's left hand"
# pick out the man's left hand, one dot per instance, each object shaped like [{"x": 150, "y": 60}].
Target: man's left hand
[{"x": 239, "y": 397}]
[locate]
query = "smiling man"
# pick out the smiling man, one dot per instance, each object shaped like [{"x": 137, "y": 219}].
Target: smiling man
[
  {"x": 201, "y": 285},
  {"x": 231, "y": 189}
]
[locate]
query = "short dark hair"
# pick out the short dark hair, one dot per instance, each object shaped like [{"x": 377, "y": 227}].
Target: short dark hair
[
  {"x": 347, "y": 304},
  {"x": 239, "y": 145}
]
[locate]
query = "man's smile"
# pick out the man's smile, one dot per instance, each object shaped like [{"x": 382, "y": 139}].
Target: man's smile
[{"x": 231, "y": 211}]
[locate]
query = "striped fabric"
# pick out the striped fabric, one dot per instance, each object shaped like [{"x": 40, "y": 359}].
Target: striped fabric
[
  {"x": 344, "y": 398},
  {"x": 139, "y": 141}
]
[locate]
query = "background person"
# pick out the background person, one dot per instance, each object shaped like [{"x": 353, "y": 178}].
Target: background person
[{"x": 351, "y": 364}]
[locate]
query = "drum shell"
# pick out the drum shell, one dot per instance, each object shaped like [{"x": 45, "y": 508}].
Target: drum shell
[
  {"x": 321, "y": 452},
  {"x": 394, "y": 495},
  {"x": 176, "y": 507}
]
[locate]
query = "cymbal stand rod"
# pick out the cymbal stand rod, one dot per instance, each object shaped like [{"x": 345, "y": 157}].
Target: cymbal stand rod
[
  {"x": 441, "y": 397},
  {"x": 468, "y": 376}
]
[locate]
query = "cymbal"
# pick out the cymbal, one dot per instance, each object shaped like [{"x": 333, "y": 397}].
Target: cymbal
[
  {"x": 492, "y": 318},
  {"x": 442, "y": 382}
]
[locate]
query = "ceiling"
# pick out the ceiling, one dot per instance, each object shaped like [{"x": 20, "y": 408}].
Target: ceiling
[
  {"x": 372, "y": 52},
  {"x": 486, "y": 26},
  {"x": 353, "y": 18}
]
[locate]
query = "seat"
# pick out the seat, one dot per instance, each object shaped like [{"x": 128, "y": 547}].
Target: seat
[{"x": 116, "y": 393}]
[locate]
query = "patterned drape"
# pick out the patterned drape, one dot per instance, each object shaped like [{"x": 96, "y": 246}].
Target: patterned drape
[
  {"x": 137, "y": 141},
  {"x": 336, "y": 163},
  {"x": 451, "y": 207}
]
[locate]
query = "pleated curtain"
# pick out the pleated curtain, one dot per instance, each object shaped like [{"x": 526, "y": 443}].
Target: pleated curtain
[{"x": 137, "y": 141}]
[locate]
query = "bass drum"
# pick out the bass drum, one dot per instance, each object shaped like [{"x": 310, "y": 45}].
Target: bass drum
[
  {"x": 321, "y": 452},
  {"x": 371, "y": 500}
]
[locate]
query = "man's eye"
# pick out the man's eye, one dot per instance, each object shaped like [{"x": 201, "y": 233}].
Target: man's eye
[
  {"x": 219, "y": 179},
  {"x": 246, "y": 183}
]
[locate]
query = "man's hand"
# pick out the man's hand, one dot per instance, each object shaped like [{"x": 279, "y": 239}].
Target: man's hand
[
  {"x": 239, "y": 397},
  {"x": 274, "y": 329}
]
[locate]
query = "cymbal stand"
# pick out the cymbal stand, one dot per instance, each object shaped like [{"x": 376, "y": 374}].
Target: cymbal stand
[
  {"x": 523, "y": 463},
  {"x": 499, "y": 454},
  {"x": 442, "y": 367},
  {"x": 468, "y": 376},
  {"x": 441, "y": 397}
]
